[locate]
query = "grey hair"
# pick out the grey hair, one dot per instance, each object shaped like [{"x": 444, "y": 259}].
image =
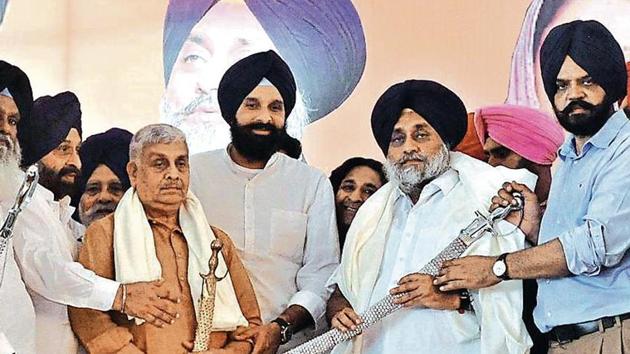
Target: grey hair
[{"x": 154, "y": 134}]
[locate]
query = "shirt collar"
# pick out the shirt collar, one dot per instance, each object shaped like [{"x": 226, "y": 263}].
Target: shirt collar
[
  {"x": 240, "y": 170},
  {"x": 602, "y": 139}
]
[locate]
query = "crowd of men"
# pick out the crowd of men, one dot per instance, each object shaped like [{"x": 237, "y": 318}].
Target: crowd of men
[{"x": 127, "y": 237}]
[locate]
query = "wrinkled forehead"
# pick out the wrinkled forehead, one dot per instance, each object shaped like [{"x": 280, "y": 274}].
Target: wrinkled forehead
[
  {"x": 265, "y": 92},
  {"x": 171, "y": 151},
  {"x": 103, "y": 174}
]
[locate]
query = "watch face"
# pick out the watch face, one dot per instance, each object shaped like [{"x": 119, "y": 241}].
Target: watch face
[{"x": 498, "y": 268}]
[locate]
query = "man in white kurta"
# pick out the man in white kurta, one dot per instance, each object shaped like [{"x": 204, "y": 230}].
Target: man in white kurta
[
  {"x": 278, "y": 211},
  {"x": 432, "y": 195}
]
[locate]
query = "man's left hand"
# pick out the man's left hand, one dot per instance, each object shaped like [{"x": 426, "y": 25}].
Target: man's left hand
[
  {"x": 266, "y": 338},
  {"x": 472, "y": 272},
  {"x": 420, "y": 291}
]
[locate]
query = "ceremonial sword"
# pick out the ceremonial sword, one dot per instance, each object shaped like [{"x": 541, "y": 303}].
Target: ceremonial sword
[
  {"x": 21, "y": 201},
  {"x": 471, "y": 233}
]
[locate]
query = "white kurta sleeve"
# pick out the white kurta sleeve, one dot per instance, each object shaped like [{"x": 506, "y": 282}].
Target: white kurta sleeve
[
  {"x": 47, "y": 266},
  {"x": 321, "y": 252}
]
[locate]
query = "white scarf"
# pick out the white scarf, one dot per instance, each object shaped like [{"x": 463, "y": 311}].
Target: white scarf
[
  {"x": 135, "y": 259},
  {"x": 365, "y": 245}
]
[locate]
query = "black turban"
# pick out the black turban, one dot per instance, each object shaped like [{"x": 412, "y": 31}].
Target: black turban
[
  {"x": 241, "y": 78},
  {"x": 50, "y": 122},
  {"x": 439, "y": 106},
  {"x": 15, "y": 80},
  {"x": 322, "y": 41},
  {"x": 593, "y": 48},
  {"x": 111, "y": 149}
]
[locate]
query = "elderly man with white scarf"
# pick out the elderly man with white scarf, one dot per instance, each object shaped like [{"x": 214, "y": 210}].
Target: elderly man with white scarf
[
  {"x": 159, "y": 231},
  {"x": 431, "y": 196}
]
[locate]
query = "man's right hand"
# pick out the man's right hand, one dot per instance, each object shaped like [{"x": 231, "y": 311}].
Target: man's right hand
[
  {"x": 346, "y": 320},
  {"x": 530, "y": 222},
  {"x": 150, "y": 301}
]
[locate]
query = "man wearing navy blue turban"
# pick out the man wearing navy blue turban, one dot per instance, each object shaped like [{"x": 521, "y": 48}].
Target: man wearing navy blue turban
[
  {"x": 103, "y": 179},
  {"x": 322, "y": 42}
]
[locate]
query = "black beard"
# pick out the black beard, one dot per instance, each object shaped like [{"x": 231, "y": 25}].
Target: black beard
[
  {"x": 256, "y": 147},
  {"x": 51, "y": 180},
  {"x": 587, "y": 123}
]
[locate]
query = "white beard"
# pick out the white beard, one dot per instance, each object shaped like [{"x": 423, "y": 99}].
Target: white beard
[
  {"x": 409, "y": 179},
  {"x": 10, "y": 173}
]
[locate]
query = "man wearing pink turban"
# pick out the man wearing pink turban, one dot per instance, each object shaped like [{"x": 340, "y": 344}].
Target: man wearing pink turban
[{"x": 521, "y": 137}]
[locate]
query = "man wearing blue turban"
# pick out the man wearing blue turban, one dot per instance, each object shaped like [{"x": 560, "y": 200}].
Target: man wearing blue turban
[{"x": 322, "y": 42}]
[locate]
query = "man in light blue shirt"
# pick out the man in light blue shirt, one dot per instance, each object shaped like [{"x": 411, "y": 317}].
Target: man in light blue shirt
[{"x": 580, "y": 261}]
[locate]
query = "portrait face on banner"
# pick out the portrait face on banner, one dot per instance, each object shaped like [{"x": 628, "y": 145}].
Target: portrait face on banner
[
  {"x": 526, "y": 87},
  {"x": 322, "y": 43}
]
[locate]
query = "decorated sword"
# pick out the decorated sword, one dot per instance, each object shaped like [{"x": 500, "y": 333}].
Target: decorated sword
[
  {"x": 24, "y": 195},
  {"x": 467, "y": 236},
  {"x": 206, "y": 300}
]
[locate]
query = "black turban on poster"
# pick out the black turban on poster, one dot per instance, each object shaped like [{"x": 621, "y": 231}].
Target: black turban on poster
[
  {"x": 593, "y": 48},
  {"x": 438, "y": 105},
  {"x": 50, "y": 122},
  {"x": 321, "y": 40},
  {"x": 241, "y": 78},
  {"x": 15, "y": 80},
  {"x": 111, "y": 149}
]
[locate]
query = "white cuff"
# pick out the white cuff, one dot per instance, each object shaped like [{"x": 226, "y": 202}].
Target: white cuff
[{"x": 103, "y": 293}]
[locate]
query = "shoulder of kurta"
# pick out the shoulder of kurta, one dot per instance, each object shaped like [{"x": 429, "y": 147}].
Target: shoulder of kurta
[
  {"x": 100, "y": 232},
  {"x": 228, "y": 245}
]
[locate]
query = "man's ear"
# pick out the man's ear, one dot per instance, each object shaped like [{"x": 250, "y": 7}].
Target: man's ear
[{"x": 132, "y": 172}]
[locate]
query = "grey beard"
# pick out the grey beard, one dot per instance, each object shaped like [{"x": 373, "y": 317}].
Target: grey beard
[
  {"x": 410, "y": 179},
  {"x": 10, "y": 173}
]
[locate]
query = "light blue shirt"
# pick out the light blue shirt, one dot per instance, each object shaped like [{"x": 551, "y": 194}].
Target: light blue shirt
[{"x": 589, "y": 212}]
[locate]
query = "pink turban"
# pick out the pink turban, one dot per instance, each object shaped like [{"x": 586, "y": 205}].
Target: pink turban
[{"x": 528, "y": 132}]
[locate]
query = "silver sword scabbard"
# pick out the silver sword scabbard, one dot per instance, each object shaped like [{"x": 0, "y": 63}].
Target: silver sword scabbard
[
  {"x": 24, "y": 195},
  {"x": 467, "y": 236}
]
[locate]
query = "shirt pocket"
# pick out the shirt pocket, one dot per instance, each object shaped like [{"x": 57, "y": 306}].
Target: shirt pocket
[{"x": 288, "y": 233}]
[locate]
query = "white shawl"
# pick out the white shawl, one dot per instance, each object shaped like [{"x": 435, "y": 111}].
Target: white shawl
[
  {"x": 498, "y": 309},
  {"x": 135, "y": 259}
]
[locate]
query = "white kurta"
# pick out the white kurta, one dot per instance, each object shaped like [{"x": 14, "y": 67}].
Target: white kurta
[
  {"x": 45, "y": 244},
  {"x": 282, "y": 222},
  {"x": 415, "y": 235},
  {"x": 17, "y": 317}
]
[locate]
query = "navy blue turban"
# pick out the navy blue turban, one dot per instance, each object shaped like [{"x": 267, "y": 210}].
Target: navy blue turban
[
  {"x": 242, "y": 77},
  {"x": 15, "y": 80},
  {"x": 50, "y": 122},
  {"x": 111, "y": 149},
  {"x": 321, "y": 40},
  {"x": 593, "y": 48},
  {"x": 438, "y": 105}
]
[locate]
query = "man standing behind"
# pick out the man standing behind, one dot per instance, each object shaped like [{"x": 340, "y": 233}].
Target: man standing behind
[
  {"x": 278, "y": 211},
  {"x": 353, "y": 183},
  {"x": 103, "y": 179},
  {"x": 159, "y": 230},
  {"x": 581, "y": 261},
  {"x": 520, "y": 137}
]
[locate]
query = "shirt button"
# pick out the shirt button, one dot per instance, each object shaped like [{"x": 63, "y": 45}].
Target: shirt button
[
  {"x": 548, "y": 281},
  {"x": 548, "y": 314}
]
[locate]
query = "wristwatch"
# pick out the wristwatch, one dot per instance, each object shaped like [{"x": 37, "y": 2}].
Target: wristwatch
[
  {"x": 286, "y": 330},
  {"x": 500, "y": 268}
]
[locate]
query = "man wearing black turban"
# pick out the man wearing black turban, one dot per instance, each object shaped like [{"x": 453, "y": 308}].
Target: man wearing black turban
[
  {"x": 431, "y": 196},
  {"x": 17, "y": 316},
  {"x": 278, "y": 210},
  {"x": 103, "y": 179},
  {"x": 583, "y": 234},
  {"x": 51, "y": 137},
  {"x": 203, "y": 38}
]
